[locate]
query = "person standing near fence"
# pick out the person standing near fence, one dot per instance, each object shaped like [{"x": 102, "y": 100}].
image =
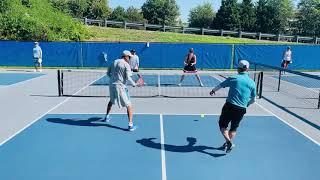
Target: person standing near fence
[
  {"x": 119, "y": 73},
  {"x": 189, "y": 66},
  {"x": 37, "y": 57},
  {"x": 242, "y": 93},
  {"x": 286, "y": 58}
]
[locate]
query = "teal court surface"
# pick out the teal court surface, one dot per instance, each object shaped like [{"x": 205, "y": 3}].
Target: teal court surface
[
  {"x": 173, "y": 147},
  {"x": 13, "y": 78}
]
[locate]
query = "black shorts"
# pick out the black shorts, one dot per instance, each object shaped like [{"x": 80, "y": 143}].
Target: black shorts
[
  {"x": 231, "y": 113},
  {"x": 190, "y": 68},
  {"x": 135, "y": 70},
  {"x": 285, "y": 62}
]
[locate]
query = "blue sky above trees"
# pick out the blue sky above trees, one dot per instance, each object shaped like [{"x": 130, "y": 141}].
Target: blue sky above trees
[{"x": 184, "y": 5}]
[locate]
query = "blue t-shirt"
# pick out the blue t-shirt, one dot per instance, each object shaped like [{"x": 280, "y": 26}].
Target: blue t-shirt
[
  {"x": 242, "y": 89},
  {"x": 37, "y": 52}
]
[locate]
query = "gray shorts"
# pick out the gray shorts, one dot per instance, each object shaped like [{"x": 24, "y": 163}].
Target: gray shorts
[{"x": 119, "y": 94}]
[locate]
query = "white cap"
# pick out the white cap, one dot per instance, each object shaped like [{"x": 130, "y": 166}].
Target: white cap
[
  {"x": 243, "y": 64},
  {"x": 36, "y": 42},
  {"x": 126, "y": 53}
]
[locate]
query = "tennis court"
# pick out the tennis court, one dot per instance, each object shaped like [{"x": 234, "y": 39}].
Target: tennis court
[
  {"x": 13, "y": 78},
  {"x": 177, "y": 138}
]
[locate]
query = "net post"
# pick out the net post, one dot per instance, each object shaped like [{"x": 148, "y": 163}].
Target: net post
[
  {"x": 159, "y": 89},
  {"x": 279, "y": 80},
  {"x": 61, "y": 76},
  {"x": 261, "y": 86},
  {"x": 319, "y": 100},
  {"x": 59, "y": 82}
]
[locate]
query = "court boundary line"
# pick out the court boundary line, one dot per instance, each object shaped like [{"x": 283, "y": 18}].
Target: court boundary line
[
  {"x": 164, "y": 114},
  {"x": 163, "y": 153},
  {"x": 287, "y": 123},
  {"x": 42, "y": 115},
  {"x": 22, "y": 82}
]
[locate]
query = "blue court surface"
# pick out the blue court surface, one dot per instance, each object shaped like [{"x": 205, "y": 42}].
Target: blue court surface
[
  {"x": 301, "y": 81},
  {"x": 169, "y": 80},
  {"x": 77, "y": 146},
  {"x": 13, "y": 78}
]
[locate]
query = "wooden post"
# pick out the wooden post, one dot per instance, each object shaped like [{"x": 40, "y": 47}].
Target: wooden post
[
  {"x": 221, "y": 32},
  {"x": 202, "y": 31},
  {"x": 297, "y": 38},
  {"x": 278, "y": 37},
  {"x": 164, "y": 28},
  {"x": 106, "y": 23},
  {"x": 125, "y": 25},
  {"x": 145, "y": 25},
  {"x": 85, "y": 21},
  {"x": 240, "y": 34},
  {"x": 259, "y": 35},
  {"x": 315, "y": 40},
  {"x": 183, "y": 30}
]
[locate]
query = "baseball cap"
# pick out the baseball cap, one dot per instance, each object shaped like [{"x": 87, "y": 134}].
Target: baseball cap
[
  {"x": 126, "y": 53},
  {"x": 133, "y": 51},
  {"x": 243, "y": 64}
]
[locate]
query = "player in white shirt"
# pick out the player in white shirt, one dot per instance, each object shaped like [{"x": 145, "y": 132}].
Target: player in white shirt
[
  {"x": 287, "y": 58},
  {"x": 119, "y": 73}
]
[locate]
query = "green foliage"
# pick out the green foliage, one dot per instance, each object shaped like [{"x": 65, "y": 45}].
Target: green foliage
[
  {"x": 93, "y": 9},
  {"x": 283, "y": 11},
  {"x": 39, "y": 21},
  {"x": 309, "y": 17},
  {"x": 201, "y": 16},
  {"x": 118, "y": 14},
  {"x": 134, "y": 15},
  {"x": 228, "y": 17},
  {"x": 247, "y": 16},
  {"x": 97, "y": 9},
  {"x": 265, "y": 17},
  {"x": 161, "y": 12}
]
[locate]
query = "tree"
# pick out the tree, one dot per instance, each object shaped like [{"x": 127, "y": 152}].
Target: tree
[
  {"x": 134, "y": 15},
  {"x": 228, "y": 16},
  {"x": 161, "y": 12},
  {"x": 201, "y": 16},
  {"x": 265, "y": 17},
  {"x": 309, "y": 17},
  {"x": 283, "y": 14},
  {"x": 77, "y": 8},
  {"x": 61, "y": 5},
  {"x": 118, "y": 14},
  {"x": 247, "y": 16},
  {"x": 97, "y": 9}
]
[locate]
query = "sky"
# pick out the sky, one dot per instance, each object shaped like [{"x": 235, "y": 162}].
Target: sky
[{"x": 184, "y": 5}]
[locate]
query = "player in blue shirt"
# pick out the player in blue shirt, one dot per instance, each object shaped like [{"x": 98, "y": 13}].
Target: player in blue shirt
[
  {"x": 241, "y": 94},
  {"x": 37, "y": 57}
]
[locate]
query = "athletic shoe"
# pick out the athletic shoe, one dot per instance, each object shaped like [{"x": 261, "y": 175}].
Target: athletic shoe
[
  {"x": 230, "y": 146},
  {"x": 201, "y": 85},
  {"x": 106, "y": 119},
  {"x": 179, "y": 84},
  {"x": 132, "y": 128},
  {"x": 223, "y": 147}
]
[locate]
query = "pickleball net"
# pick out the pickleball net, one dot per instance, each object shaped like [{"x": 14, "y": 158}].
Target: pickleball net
[{"x": 94, "y": 83}]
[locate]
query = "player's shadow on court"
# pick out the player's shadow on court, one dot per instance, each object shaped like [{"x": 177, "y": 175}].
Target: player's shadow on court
[
  {"x": 190, "y": 147},
  {"x": 93, "y": 122}
]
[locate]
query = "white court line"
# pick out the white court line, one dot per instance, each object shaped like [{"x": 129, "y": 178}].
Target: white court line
[
  {"x": 289, "y": 124},
  {"x": 163, "y": 154},
  {"x": 165, "y": 114},
  {"x": 56, "y": 106},
  {"x": 22, "y": 82}
]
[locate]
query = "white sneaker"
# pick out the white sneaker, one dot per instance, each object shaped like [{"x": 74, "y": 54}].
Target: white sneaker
[
  {"x": 201, "y": 85},
  {"x": 132, "y": 128},
  {"x": 106, "y": 119},
  {"x": 179, "y": 84}
]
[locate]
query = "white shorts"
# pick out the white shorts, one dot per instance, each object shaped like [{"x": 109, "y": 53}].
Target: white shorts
[
  {"x": 119, "y": 94},
  {"x": 37, "y": 60}
]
